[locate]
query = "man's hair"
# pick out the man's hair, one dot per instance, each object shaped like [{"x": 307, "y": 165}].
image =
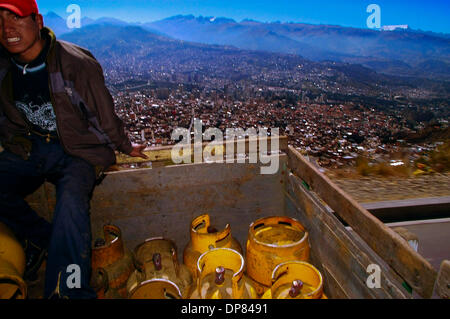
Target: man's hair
[{"x": 33, "y": 16}]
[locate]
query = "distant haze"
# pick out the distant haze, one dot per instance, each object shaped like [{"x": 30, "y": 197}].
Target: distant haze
[{"x": 429, "y": 15}]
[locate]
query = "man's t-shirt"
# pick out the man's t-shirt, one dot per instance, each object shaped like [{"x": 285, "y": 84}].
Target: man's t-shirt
[{"x": 32, "y": 93}]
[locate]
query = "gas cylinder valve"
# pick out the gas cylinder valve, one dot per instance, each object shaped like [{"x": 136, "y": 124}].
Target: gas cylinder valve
[
  {"x": 220, "y": 275},
  {"x": 157, "y": 261},
  {"x": 296, "y": 287}
]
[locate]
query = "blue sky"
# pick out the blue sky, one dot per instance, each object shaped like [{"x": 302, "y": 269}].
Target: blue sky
[{"x": 429, "y": 15}]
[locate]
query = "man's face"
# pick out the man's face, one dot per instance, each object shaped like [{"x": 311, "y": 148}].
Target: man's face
[{"x": 21, "y": 35}]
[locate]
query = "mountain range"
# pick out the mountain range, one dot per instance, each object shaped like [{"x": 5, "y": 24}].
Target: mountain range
[
  {"x": 132, "y": 56},
  {"x": 404, "y": 52},
  {"x": 395, "y": 52}
]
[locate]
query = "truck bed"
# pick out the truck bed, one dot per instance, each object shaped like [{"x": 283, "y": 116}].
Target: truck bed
[{"x": 162, "y": 201}]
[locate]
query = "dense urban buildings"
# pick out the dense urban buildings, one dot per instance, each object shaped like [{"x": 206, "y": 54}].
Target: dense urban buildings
[{"x": 334, "y": 133}]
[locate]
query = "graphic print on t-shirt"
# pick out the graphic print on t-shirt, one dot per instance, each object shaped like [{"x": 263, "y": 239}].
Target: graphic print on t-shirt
[{"x": 42, "y": 115}]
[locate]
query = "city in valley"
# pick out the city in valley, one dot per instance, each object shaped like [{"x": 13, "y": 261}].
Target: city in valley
[
  {"x": 335, "y": 133},
  {"x": 339, "y": 114}
]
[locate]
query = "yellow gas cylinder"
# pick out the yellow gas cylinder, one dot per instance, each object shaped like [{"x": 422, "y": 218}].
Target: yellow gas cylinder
[
  {"x": 295, "y": 280},
  {"x": 110, "y": 255},
  {"x": 272, "y": 241},
  {"x": 220, "y": 275},
  {"x": 12, "y": 266},
  {"x": 205, "y": 237},
  {"x": 158, "y": 274}
]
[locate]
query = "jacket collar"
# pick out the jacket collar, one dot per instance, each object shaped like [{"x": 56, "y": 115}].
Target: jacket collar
[{"x": 52, "y": 37}]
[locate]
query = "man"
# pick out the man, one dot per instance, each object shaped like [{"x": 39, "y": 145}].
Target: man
[{"x": 57, "y": 123}]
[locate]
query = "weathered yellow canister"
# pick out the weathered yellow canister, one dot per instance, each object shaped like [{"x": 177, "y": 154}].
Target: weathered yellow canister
[
  {"x": 272, "y": 241},
  {"x": 158, "y": 274},
  {"x": 295, "y": 280},
  {"x": 12, "y": 266},
  {"x": 110, "y": 255},
  {"x": 220, "y": 275},
  {"x": 205, "y": 237}
]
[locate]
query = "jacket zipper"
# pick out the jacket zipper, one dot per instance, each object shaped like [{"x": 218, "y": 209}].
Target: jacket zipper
[{"x": 50, "y": 51}]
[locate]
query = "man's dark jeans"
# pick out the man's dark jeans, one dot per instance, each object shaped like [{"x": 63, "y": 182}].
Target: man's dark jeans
[{"x": 68, "y": 238}]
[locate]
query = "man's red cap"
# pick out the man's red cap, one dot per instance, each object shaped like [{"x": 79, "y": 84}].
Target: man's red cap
[{"x": 22, "y": 8}]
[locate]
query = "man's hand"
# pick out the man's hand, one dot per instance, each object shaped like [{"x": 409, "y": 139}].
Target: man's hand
[{"x": 138, "y": 151}]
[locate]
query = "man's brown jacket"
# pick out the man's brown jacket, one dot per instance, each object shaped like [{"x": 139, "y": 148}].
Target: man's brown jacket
[{"x": 87, "y": 124}]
